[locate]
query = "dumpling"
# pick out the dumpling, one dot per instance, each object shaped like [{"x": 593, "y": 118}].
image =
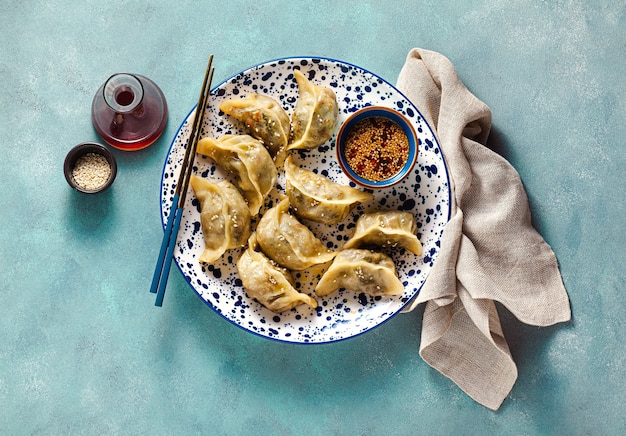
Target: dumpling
[
  {"x": 288, "y": 242},
  {"x": 317, "y": 198},
  {"x": 314, "y": 119},
  {"x": 386, "y": 229},
  {"x": 247, "y": 159},
  {"x": 361, "y": 270},
  {"x": 265, "y": 119},
  {"x": 224, "y": 216},
  {"x": 268, "y": 283}
]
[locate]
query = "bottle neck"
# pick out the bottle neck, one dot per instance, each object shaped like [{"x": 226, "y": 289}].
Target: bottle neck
[{"x": 123, "y": 93}]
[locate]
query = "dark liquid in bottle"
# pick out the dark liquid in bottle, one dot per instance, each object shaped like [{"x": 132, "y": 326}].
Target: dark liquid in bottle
[{"x": 133, "y": 130}]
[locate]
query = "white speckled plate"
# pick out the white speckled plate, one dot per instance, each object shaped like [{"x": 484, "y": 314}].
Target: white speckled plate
[{"x": 343, "y": 314}]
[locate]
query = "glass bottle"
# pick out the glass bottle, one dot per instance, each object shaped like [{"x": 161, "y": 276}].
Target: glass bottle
[{"x": 129, "y": 111}]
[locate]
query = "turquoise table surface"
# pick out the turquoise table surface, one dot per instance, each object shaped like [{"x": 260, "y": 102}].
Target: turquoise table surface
[{"x": 83, "y": 349}]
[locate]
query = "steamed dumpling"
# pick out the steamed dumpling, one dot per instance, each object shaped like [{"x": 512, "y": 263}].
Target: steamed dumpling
[
  {"x": 288, "y": 242},
  {"x": 247, "y": 159},
  {"x": 317, "y": 198},
  {"x": 314, "y": 119},
  {"x": 268, "y": 283},
  {"x": 224, "y": 216},
  {"x": 386, "y": 229},
  {"x": 265, "y": 120},
  {"x": 361, "y": 270}
]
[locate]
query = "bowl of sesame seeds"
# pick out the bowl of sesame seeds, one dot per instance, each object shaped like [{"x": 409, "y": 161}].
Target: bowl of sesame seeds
[
  {"x": 376, "y": 147},
  {"x": 90, "y": 167}
]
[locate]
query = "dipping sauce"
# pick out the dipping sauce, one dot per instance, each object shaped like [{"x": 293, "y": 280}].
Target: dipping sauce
[
  {"x": 376, "y": 148},
  {"x": 91, "y": 171}
]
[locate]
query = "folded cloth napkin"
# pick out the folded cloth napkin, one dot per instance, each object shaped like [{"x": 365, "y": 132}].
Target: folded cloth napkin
[{"x": 489, "y": 248}]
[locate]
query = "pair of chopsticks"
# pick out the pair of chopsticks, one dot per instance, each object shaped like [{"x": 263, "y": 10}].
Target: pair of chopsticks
[{"x": 162, "y": 269}]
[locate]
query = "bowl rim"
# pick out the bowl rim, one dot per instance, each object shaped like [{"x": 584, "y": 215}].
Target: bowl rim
[
  {"x": 80, "y": 150},
  {"x": 393, "y": 115}
]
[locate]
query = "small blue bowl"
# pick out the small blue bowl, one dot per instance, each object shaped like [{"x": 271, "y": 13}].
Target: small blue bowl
[{"x": 390, "y": 115}]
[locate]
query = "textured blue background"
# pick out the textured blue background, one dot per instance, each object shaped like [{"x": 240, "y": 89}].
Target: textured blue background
[{"x": 84, "y": 350}]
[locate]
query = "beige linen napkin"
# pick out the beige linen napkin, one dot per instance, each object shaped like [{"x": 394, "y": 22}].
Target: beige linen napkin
[{"x": 489, "y": 249}]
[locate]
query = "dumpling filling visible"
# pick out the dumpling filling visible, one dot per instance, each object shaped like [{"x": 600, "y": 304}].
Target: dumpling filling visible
[
  {"x": 359, "y": 271},
  {"x": 265, "y": 119},
  {"x": 268, "y": 283},
  {"x": 246, "y": 158}
]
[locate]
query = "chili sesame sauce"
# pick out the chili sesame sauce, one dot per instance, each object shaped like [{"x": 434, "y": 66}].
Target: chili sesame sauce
[{"x": 376, "y": 148}]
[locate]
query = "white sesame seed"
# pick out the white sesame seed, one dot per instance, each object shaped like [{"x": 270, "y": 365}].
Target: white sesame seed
[{"x": 91, "y": 171}]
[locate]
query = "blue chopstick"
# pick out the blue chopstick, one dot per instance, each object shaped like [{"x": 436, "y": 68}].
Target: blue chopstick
[
  {"x": 168, "y": 257},
  {"x": 166, "y": 252},
  {"x": 158, "y": 270}
]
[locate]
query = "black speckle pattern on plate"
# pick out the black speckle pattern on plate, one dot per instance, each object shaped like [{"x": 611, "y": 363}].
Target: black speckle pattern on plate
[{"x": 344, "y": 314}]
